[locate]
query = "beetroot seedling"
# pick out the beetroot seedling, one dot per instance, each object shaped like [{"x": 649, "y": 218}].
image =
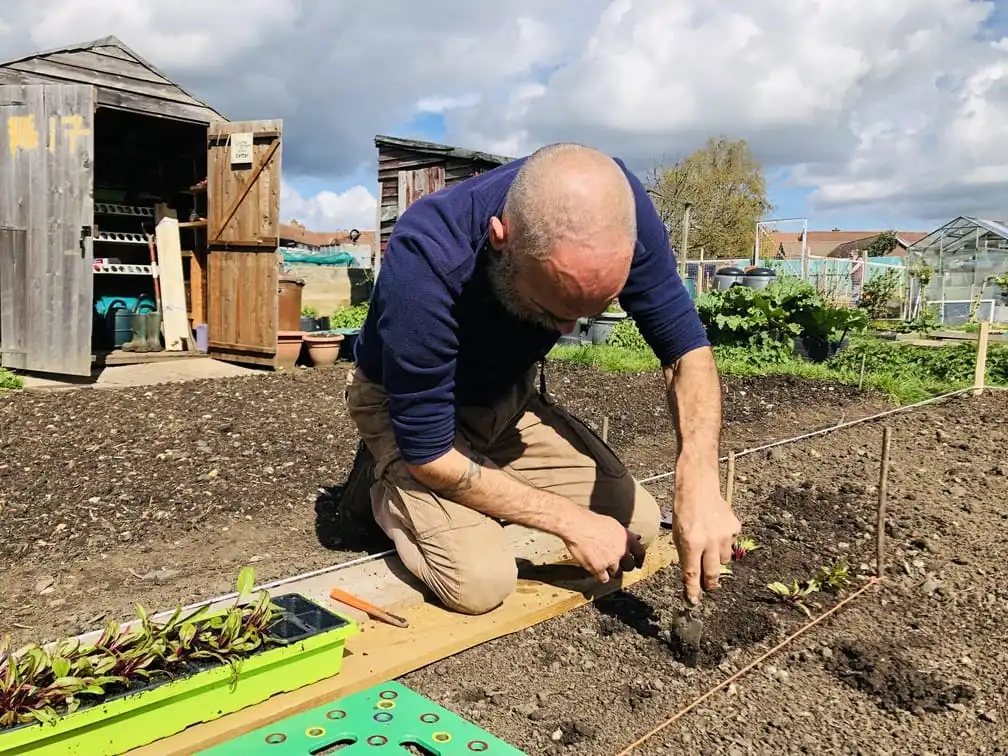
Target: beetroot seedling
[
  {"x": 742, "y": 547},
  {"x": 835, "y": 577},
  {"x": 795, "y": 594}
]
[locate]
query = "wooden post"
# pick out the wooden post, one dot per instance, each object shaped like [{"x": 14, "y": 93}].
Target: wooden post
[
  {"x": 980, "y": 374},
  {"x": 605, "y": 429},
  {"x": 880, "y": 517},
  {"x": 685, "y": 241},
  {"x": 730, "y": 483}
]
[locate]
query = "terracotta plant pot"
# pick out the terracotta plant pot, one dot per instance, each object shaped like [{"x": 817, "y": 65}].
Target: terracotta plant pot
[
  {"x": 323, "y": 348},
  {"x": 288, "y": 348}
]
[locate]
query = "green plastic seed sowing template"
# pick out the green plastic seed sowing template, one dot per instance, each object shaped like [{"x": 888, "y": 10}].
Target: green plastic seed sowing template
[{"x": 384, "y": 719}]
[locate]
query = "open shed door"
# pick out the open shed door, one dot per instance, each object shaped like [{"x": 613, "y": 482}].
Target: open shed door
[
  {"x": 243, "y": 234},
  {"x": 46, "y": 215}
]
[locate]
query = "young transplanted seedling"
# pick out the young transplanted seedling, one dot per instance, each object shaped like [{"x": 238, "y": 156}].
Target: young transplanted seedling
[
  {"x": 742, "y": 547},
  {"x": 834, "y": 577},
  {"x": 795, "y": 594}
]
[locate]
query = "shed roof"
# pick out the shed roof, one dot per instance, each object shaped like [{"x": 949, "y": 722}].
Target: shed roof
[
  {"x": 443, "y": 150},
  {"x": 122, "y": 78}
]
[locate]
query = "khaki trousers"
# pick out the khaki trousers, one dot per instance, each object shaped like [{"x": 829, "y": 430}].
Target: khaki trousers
[{"x": 462, "y": 555}]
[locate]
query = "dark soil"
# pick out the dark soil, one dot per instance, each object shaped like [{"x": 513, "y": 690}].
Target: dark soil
[
  {"x": 161, "y": 494},
  {"x": 916, "y": 666}
]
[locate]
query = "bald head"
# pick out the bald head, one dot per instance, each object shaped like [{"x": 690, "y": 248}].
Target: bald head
[{"x": 566, "y": 237}]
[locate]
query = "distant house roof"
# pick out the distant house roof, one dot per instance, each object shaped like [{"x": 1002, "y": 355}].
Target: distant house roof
[
  {"x": 828, "y": 243},
  {"x": 294, "y": 232},
  {"x": 122, "y": 78},
  {"x": 903, "y": 241},
  {"x": 444, "y": 150}
]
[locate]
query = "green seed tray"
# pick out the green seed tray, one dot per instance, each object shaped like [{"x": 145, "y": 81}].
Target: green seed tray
[
  {"x": 120, "y": 724},
  {"x": 386, "y": 719}
]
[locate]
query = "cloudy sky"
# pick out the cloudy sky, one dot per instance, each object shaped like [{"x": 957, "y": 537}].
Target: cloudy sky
[{"x": 866, "y": 114}]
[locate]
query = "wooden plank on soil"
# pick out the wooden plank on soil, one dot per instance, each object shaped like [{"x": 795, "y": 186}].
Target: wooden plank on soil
[{"x": 381, "y": 652}]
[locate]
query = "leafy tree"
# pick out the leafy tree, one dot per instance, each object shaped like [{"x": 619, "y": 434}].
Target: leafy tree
[
  {"x": 726, "y": 190},
  {"x": 882, "y": 244}
]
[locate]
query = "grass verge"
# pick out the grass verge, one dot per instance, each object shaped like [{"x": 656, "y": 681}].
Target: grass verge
[{"x": 905, "y": 373}]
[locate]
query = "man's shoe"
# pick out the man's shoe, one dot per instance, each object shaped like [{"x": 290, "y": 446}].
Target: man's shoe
[{"x": 344, "y": 517}]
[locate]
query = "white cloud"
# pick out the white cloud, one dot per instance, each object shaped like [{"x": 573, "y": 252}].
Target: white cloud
[
  {"x": 896, "y": 107},
  {"x": 442, "y": 104},
  {"x": 329, "y": 211}
]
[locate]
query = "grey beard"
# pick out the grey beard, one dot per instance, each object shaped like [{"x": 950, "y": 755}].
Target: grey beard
[{"x": 502, "y": 271}]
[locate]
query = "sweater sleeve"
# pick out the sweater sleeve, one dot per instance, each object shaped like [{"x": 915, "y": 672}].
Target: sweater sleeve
[
  {"x": 654, "y": 294},
  {"x": 418, "y": 331}
]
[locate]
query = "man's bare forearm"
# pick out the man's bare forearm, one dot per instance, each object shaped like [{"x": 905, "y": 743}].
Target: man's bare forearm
[
  {"x": 474, "y": 481},
  {"x": 694, "y": 398}
]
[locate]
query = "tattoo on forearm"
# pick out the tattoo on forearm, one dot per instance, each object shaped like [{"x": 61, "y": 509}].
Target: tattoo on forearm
[{"x": 466, "y": 480}]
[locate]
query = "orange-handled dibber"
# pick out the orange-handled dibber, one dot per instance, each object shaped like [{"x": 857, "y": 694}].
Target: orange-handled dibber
[{"x": 369, "y": 609}]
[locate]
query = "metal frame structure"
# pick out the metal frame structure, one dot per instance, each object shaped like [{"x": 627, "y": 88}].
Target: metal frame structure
[
  {"x": 774, "y": 224},
  {"x": 964, "y": 254}
]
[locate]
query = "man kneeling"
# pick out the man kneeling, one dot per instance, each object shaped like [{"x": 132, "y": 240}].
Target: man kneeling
[{"x": 477, "y": 283}]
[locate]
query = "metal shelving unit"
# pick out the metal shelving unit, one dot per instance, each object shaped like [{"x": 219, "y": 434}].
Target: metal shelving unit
[{"x": 112, "y": 265}]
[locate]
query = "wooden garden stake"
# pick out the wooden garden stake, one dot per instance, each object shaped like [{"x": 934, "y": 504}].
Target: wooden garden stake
[
  {"x": 730, "y": 483},
  {"x": 882, "y": 492},
  {"x": 605, "y": 429},
  {"x": 980, "y": 374}
]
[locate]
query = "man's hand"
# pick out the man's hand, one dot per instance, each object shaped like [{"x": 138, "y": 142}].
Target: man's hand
[
  {"x": 703, "y": 528},
  {"x": 602, "y": 546}
]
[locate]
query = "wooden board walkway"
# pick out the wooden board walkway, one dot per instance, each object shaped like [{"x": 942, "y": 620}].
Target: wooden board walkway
[{"x": 547, "y": 588}]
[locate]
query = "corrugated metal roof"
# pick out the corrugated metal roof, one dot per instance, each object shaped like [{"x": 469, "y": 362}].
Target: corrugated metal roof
[
  {"x": 444, "y": 150},
  {"x": 122, "y": 78}
]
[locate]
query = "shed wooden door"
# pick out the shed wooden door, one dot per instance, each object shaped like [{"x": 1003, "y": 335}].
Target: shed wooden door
[
  {"x": 46, "y": 215},
  {"x": 243, "y": 234}
]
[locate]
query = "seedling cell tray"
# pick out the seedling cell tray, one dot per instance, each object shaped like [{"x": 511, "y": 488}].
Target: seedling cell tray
[
  {"x": 385, "y": 720},
  {"x": 313, "y": 651}
]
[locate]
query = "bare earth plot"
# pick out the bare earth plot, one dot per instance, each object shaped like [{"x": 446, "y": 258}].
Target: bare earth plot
[
  {"x": 920, "y": 666},
  {"x": 159, "y": 495}
]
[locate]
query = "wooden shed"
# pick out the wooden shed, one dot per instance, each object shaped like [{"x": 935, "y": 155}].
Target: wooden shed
[
  {"x": 96, "y": 145},
  {"x": 408, "y": 169}
]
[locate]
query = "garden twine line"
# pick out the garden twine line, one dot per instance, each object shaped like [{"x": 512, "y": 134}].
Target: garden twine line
[
  {"x": 824, "y": 431},
  {"x": 757, "y": 661}
]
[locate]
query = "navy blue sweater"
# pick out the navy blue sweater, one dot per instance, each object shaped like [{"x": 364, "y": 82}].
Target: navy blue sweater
[{"x": 436, "y": 337}]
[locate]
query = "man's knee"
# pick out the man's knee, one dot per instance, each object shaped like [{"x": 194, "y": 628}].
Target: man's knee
[
  {"x": 480, "y": 583},
  {"x": 646, "y": 518}
]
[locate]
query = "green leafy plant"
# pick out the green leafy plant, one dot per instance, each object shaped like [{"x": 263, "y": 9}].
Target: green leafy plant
[
  {"x": 835, "y": 577},
  {"x": 795, "y": 594},
  {"x": 743, "y": 546},
  {"x": 626, "y": 335},
  {"x": 309, "y": 312},
  {"x": 770, "y": 319},
  {"x": 349, "y": 317},
  {"x": 39, "y": 686},
  {"x": 10, "y": 381}
]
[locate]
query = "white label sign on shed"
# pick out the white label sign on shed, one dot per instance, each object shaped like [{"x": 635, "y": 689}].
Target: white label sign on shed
[{"x": 241, "y": 148}]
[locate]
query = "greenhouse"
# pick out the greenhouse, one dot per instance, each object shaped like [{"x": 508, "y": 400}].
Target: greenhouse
[{"x": 964, "y": 261}]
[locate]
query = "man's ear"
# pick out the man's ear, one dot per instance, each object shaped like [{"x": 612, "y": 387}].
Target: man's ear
[{"x": 498, "y": 234}]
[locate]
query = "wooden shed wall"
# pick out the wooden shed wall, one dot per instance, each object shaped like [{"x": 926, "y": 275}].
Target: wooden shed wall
[{"x": 392, "y": 160}]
